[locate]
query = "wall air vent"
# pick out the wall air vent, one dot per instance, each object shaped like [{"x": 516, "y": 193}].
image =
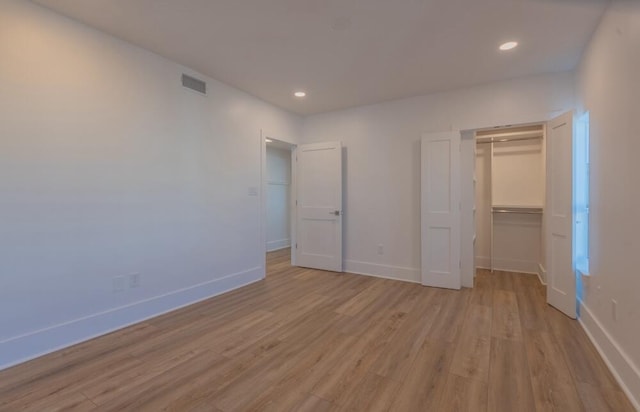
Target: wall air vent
[{"x": 194, "y": 84}]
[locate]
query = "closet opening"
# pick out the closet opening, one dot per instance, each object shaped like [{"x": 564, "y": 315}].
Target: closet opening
[
  {"x": 509, "y": 186},
  {"x": 279, "y": 204}
]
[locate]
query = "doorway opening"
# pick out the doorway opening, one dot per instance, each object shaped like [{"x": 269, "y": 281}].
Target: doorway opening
[
  {"x": 510, "y": 176},
  {"x": 518, "y": 205},
  {"x": 279, "y": 203}
]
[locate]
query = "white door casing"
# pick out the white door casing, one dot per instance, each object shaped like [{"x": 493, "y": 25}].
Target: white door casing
[
  {"x": 440, "y": 209},
  {"x": 561, "y": 281},
  {"x": 319, "y": 206}
]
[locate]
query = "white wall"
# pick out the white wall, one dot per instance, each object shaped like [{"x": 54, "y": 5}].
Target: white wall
[
  {"x": 382, "y": 144},
  {"x": 109, "y": 167},
  {"x": 278, "y": 198},
  {"x": 609, "y": 87}
]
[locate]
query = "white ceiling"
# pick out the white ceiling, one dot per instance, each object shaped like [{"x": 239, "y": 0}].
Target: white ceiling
[{"x": 349, "y": 52}]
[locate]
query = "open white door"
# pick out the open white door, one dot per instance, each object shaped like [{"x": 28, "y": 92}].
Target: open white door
[
  {"x": 319, "y": 206},
  {"x": 440, "y": 210},
  {"x": 561, "y": 280}
]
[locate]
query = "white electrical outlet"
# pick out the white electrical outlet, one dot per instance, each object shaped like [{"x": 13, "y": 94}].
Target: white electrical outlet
[
  {"x": 134, "y": 280},
  {"x": 380, "y": 249},
  {"x": 118, "y": 284},
  {"x": 614, "y": 309}
]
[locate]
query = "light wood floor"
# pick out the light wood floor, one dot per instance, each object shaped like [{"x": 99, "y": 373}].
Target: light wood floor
[{"x": 307, "y": 340}]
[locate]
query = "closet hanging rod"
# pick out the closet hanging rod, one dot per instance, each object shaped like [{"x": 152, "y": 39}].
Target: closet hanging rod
[{"x": 507, "y": 139}]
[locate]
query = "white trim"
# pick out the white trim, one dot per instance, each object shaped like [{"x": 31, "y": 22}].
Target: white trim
[
  {"x": 620, "y": 364},
  {"x": 542, "y": 274},
  {"x": 294, "y": 204},
  {"x": 509, "y": 265},
  {"x": 274, "y": 245},
  {"x": 263, "y": 200},
  {"x": 483, "y": 262},
  {"x": 383, "y": 271},
  {"x": 19, "y": 349}
]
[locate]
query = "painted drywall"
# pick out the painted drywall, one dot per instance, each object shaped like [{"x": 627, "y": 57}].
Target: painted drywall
[
  {"x": 109, "y": 167},
  {"x": 278, "y": 198},
  {"x": 609, "y": 88},
  {"x": 382, "y": 167}
]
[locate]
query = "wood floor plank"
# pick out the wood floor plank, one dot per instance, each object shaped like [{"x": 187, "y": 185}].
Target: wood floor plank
[
  {"x": 464, "y": 395},
  {"x": 582, "y": 358},
  {"x": 506, "y": 316},
  {"x": 509, "y": 379},
  {"x": 425, "y": 384},
  {"x": 374, "y": 393},
  {"x": 308, "y": 340},
  {"x": 597, "y": 399},
  {"x": 552, "y": 384},
  {"x": 473, "y": 353}
]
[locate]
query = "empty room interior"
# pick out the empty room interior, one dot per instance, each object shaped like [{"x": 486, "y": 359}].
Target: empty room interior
[{"x": 299, "y": 205}]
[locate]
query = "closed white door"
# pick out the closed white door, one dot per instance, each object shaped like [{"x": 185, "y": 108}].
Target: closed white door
[
  {"x": 319, "y": 206},
  {"x": 440, "y": 210},
  {"x": 561, "y": 280}
]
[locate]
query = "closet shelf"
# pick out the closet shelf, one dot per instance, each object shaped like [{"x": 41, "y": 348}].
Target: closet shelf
[{"x": 529, "y": 210}]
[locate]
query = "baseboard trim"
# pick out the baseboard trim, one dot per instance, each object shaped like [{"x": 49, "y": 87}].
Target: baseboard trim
[
  {"x": 623, "y": 369},
  {"x": 19, "y": 349},
  {"x": 382, "y": 271},
  {"x": 542, "y": 274},
  {"x": 274, "y": 245},
  {"x": 509, "y": 265}
]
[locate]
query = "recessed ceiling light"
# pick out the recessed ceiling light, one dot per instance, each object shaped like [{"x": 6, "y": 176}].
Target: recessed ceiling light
[
  {"x": 300, "y": 94},
  {"x": 268, "y": 141},
  {"x": 509, "y": 45}
]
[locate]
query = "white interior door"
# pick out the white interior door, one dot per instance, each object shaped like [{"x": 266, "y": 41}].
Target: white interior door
[
  {"x": 561, "y": 280},
  {"x": 440, "y": 210},
  {"x": 319, "y": 206}
]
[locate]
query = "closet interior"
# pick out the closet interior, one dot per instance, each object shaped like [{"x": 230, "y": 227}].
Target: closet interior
[{"x": 509, "y": 199}]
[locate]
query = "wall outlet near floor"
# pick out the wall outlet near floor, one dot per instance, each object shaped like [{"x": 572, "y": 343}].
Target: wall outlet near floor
[
  {"x": 134, "y": 280},
  {"x": 381, "y": 249},
  {"x": 614, "y": 309},
  {"x": 118, "y": 284}
]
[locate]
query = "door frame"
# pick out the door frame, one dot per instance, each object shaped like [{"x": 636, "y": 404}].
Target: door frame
[
  {"x": 555, "y": 114},
  {"x": 293, "y": 194}
]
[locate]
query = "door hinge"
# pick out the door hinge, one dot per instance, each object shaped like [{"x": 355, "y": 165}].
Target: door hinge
[{"x": 296, "y": 245}]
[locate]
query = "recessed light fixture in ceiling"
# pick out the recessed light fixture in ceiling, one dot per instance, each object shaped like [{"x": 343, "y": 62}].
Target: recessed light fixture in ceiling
[
  {"x": 510, "y": 45},
  {"x": 300, "y": 94}
]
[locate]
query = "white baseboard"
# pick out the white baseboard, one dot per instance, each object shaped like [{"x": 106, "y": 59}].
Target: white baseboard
[
  {"x": 382, "y": 271},
  {"x": 22, "y": 348},
  {"x": 509, "y": 265},
  {"x": 623, "y": 369},
  {"x": 274, "y": 245},
  {"x": 542, "y": 274}
]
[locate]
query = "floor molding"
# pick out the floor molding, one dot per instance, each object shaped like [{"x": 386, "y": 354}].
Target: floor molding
[
  {"x": 542, "y": 274},
  {"x": 382, "y": 271},
  {"x": 625, "y": 372},
  {"x": 274, "y": 245},
  {"x": 32, "y": 345}
]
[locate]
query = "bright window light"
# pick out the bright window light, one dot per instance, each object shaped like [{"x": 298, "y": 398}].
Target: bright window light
[{"x": 581, "y": 194}]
